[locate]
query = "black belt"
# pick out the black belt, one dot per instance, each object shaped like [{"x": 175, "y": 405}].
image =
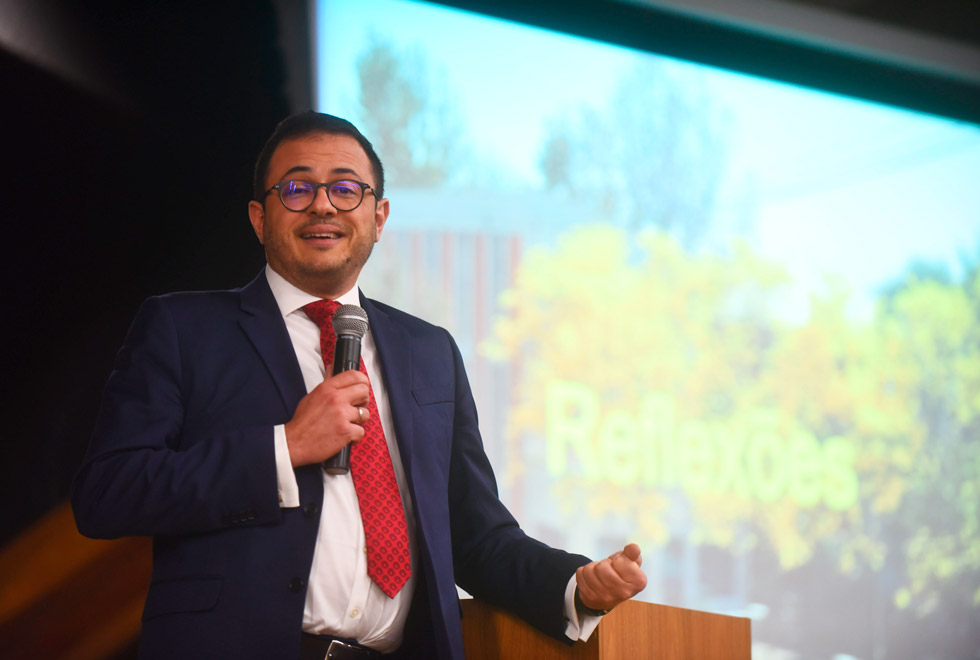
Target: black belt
[{"x": 325, "y": 647}]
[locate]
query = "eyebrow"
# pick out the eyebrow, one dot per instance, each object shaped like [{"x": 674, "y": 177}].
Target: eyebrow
[
  {"x": 304, "y": 168},
  {"x": 298, "y": 168}
]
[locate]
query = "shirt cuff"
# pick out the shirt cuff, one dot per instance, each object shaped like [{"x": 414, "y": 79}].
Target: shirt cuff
[
  {"x": 580, "y": 627},
  {"x": 288, "y": 488}
]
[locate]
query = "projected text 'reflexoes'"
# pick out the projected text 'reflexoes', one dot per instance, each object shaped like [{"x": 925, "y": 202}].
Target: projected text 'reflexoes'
[{"x": 749, "y": 455}]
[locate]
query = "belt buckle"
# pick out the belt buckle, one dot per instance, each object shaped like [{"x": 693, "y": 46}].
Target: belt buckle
[{"x": 339, "y": 650}]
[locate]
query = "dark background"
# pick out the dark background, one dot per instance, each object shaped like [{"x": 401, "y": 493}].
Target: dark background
[
  {"x": 112, "y": 197},
  {"x": 137, "y": 182}
]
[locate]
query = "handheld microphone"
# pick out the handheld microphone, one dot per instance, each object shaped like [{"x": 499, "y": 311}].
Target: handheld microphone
[{"x": 350, "y": 322}]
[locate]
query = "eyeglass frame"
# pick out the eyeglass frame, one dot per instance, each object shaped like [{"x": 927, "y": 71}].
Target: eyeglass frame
[{"x": 365, "y": 187}]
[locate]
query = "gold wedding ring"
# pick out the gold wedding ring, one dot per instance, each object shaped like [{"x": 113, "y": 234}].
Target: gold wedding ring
[{"x": 360, "y": 414}]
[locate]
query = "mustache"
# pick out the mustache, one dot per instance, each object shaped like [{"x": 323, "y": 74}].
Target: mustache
[{"x": 323, "y": 220}]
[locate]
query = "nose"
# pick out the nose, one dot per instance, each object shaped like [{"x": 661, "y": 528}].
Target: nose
[{"x": 321, "y": 203}]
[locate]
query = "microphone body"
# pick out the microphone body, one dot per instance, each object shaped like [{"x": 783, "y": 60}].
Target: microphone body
[{"x": 349, "y": 324}]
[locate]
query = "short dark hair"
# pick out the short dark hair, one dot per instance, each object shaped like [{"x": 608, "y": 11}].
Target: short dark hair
[{"x": 305, "y": 124}]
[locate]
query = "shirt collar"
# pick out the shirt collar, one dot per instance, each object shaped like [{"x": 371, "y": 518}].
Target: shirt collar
[{"x": 291, "y": 298}]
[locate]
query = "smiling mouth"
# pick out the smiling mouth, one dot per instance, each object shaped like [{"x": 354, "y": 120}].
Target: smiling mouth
[{"x": 331, "y": 234}]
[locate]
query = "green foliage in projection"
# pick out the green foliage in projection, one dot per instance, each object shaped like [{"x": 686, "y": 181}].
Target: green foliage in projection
[
  {"x": 937, "y": 327},
  {"x": 829, "y": 435}
]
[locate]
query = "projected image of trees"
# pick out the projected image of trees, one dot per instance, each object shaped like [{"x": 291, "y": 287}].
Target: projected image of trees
[{"x": 722, "y": 425}]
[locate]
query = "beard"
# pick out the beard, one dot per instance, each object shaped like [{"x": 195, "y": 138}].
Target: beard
[{"x": 326, "y": 273}]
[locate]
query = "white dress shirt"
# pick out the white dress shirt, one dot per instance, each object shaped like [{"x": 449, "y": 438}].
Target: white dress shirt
[{"x": 341, "y": 599}]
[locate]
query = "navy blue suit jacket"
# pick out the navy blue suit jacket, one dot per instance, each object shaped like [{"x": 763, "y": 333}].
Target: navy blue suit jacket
[{"x": 183, "y": 451}]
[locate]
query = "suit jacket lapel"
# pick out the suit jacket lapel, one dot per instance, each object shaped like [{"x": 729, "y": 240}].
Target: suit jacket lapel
[
  {"x": 263, "y": 324},
  {"x": 394, "y": 351}
]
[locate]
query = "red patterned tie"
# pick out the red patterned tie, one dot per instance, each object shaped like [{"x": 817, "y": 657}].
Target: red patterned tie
[{"x": 382, "y": 514}]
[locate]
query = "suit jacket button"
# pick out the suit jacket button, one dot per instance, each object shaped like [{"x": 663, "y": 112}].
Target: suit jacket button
[
  {"x": 296, "y": 584},
  {"x": 311, "y": 509}
]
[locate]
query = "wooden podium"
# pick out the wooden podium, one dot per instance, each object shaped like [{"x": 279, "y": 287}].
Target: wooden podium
[{"x": 632, "y": 631}]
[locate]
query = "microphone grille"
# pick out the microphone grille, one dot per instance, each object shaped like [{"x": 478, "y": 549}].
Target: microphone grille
[{"x": 350, "y": 320}]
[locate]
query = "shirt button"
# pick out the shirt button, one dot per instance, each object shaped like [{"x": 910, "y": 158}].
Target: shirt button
[{"x": 354, "y": 612}]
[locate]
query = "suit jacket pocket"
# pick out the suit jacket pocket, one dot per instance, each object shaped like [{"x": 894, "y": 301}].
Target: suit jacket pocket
[
  {"x": 428, "y": 395},
  {"x": 192, "y": 594}
]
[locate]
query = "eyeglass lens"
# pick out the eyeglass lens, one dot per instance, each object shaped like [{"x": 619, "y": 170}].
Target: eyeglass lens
[{"x": 298, "y": 195}]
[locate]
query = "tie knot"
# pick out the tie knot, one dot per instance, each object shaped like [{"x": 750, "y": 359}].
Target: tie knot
[{"x": 321, "y": 312}]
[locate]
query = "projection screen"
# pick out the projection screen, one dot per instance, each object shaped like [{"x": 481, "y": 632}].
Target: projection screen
[{"x": 734, "y": 320}]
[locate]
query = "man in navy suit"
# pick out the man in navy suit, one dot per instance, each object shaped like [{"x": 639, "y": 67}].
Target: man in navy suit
[{"x": 219, "y": 413}]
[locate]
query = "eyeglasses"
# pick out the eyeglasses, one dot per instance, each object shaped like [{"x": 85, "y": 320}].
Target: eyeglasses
[{"x": 344, "y": 194}]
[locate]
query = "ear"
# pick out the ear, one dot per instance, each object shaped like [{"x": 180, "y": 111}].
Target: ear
[
  {"x": 256, "y": 214},
  {"x": 380, "y": 218}
]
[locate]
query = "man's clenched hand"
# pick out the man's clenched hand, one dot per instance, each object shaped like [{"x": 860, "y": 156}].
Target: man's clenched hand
[{"x": 604, "y": 584}]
